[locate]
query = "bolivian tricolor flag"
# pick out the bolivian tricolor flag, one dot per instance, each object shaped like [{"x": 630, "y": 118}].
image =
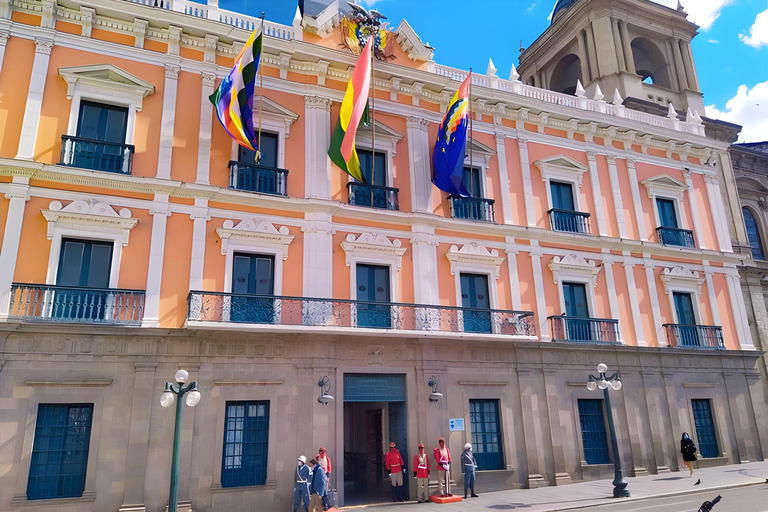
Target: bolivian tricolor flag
[{"x": 342, "y": 150}]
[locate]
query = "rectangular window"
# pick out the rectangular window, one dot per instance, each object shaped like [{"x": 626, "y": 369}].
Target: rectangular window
[
  {"x": 592, "y": 419},
  {"x": 705, "y": 428},
  {"x": 106, "y": 123},
  {"x": 373, "y": 174},
  {"x": 576, "y": 312},
  {"x": 246, "y": 439},
  {"x": 471, "y": 181},
  {"x": 60, "y": 451},
  {"x": 83, "y": 274},
  {"x": 372, "y": 287},
  {"x": 268, "y": 152},
  {"x": 667, "y": 215},
  {"x": 252, "y": 274},
  {"x": 562, "y": 195},
  {"x": 486, "y": 434},
  {"x": 474, "y": 296}
]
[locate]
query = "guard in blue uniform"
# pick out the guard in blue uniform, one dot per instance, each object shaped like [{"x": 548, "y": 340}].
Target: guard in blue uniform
[{"x": 303, "y": 476}]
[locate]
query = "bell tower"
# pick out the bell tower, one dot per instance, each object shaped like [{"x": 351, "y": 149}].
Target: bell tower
[{"x": 636, "y": 47}]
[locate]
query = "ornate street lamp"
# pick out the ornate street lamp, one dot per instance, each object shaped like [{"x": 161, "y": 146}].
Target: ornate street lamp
[
  {"x": 192, "y": 398},
  {"x": 604, "y": 383},
  {"x": 434, "y": 396},
  {"x": 325, "y": 386}
]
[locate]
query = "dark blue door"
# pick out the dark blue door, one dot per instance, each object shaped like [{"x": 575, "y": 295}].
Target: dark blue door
[
  {"x": 261, "y": 177},
  {"x": 577, "y": 312},
  {"x": 106, "y": 123},
  {"x": 470, "y": 178},
  {"x": 562, "y": 199},
  {"x": 474, "y": 297},
  {"x": 246, "y": 442},
  {"x": 667, "y": 215},
  {"x": 705, "y": 428},
  {"x": 373, "y": 287},
  {"x": 486, "y": 434},
  {"x": 592, "y": 420},
  {"x": 252, "y": 274},
  {"x": 83, "y": 264},
  {"x": 374, "y": 175},
  {"x": 687, "y": 331}
]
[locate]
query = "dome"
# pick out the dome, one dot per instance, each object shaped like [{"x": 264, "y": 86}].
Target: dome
[{"x": 561, "y": 5}]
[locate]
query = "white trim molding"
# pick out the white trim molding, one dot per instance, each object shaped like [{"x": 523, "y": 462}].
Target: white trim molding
[
  {"x": 573, "y": 266},
  {"x": 373, "y": 247},
  {"x": 90, "y": 216},
  {"x": 276, "y": 113},
  {"x": 665, "y": 186},
  {"x": 474, "y": 257},
  {"x": 101, "y": 78},
  {"x": 561, "y": 167},
  {"x": 255, "y": 232},
  {"x": 680, "y": 279}
]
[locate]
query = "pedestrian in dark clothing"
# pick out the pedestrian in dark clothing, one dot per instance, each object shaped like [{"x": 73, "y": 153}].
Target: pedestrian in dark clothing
[
  {"x": 317, "y": 486},
  {"x": 688, "y": 451},
  {"x": 468, "y": 466},
  {"x": 302, "y": 475}
]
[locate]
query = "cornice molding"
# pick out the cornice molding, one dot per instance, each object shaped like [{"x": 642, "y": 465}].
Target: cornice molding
[
  {"x": 257, "y": 232},
  {"x": 571, "y": 264},
  {"x": 475, "y": 254},
  {"x": 372, "y": 244},
  {"x": 90, "y": 214}
]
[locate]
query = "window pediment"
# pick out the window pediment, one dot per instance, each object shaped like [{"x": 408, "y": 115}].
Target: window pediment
[
  {"x": 561, "y": 166},
  {"x": 373, "y": 245},
  {"x": 384, "y": 133},
  {"x": 665, "y": 185},
  {"x": 678, "y": 278},
  {"x": 480, "y": 153},
  {"x": 90, "y": 216},
  {"x": 255, "y": 232},
  {"x": 272, "y": 110},
  {"x": 106, "y": 78},
  {"x": 572, "y": 265},
  {"x": 474, "y": 254}
]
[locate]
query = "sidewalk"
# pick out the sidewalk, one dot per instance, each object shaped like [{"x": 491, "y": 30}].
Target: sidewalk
[{"x": 590, "y": 494}]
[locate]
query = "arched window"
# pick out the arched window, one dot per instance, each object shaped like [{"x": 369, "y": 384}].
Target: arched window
[
  {"x": 753, "y": 234},
  {"x": 650, "y": 62},
  {"x": 566, "y": 74}
]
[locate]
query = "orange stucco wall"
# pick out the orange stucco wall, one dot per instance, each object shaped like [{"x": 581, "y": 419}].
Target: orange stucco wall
[
  {"x": 19, "y": 56},
  {"x": 34, "y": 244},
  {"x": 186, "y": 130}
]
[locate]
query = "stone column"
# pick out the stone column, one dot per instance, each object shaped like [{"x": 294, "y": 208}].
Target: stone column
[
  {"x": 626, "y": 44},
  {"x": 167, "y": 121},
  {"x": 731, "y": 198},
  {"x": 26, "y": 150},
  {"x": 695, "y": 212},
  {"x": 206, "y": 124},
  {"x": 634, "y": 304},
  {"x": 619, "y": 46},
  {"x": 618, "y": 203},
  {"x": 634, "y": 185},
  {"x": 538, "y": 285},
  {"x": 597, "y": 196},
  {"x": 658, "y": 409},
  {"x": 679, "y": 67},
  {"x": 690, "y": 70},
  {"x": 18, "y": 195},
  {"x": 138, "y": 437},
  {"x": 562, "y": 477},
  {"x": 586, "y": 76},
  {"x": 525, "y": 170},
  {"x": 718, "y": 213},
  {"x": 317, "y": 135},
  {"x": 532, "y": 425},
  {"x": 200, "y": 218},
  {"x": 592, "y": 51},
  {"x": 419, "y": 164},
  {"x": 506, "y": 200},
  {"x": 613, "y": 300},
  {"x": 606, "y": 54},
  {"x": 514, "y": 280},
  {"x": 160, "y": 212},
  {"x": 425, "y": 278},
  {"x": 318, "y": 255},
  {"x": 655, "y": 306},
  {"x": 738, "y": 309}
]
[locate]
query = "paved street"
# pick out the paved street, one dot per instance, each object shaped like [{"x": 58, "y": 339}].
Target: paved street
[{"x": 671, "y": 492}]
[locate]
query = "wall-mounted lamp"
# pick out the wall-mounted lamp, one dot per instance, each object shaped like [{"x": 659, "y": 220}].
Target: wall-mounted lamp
[
  {"x": 325, "y": 386},
  {"x": 434, "y": 396}
]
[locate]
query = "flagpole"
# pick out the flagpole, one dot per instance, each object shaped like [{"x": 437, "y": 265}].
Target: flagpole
[
  {"x": 261, "y": 86},
  {"x": 471, "y": 131},
  {"x": 373, "y": 110}
]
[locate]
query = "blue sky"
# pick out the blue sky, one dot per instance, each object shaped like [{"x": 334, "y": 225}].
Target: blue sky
[{"x": 731, "y": 50}]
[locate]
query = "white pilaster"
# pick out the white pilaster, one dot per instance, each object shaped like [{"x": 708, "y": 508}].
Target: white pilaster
[
  {"x": 206, "y": 121},
  {"x": 506, "y": 200},
  {"x": 713, "y": 307},
  {"x": 718, "y": 213},
  {"x": 167, "y": 121},
  {"x": 695, "y": 213},
  {"x": 634, "y": 304},
  {"x": 3, "y": 41},
  {"x": 525, "y": 170},
  {"x": 618, "y": 204},
  {"x": 419, "y": 164},
  {"x": 655, "y": 306},
  {"x": 634, "y": 185},
  {"x": 538, "y": 285},
  {"x": 18, "y": 195},
  {"x": 160, "y": 212},
  {"x": 739, "y": 310},
  {"x": 514, "y": 279},
  {"x": 425, "y": 278},
  {"x": 613, "y": 300},
  {"x": 200, "y": 218},
  {"x": 318, "y": 255},
  {"x": 597, "y": 196},
  {"x": 34, "y": 103},
  {"x": 317, "y": 135}
]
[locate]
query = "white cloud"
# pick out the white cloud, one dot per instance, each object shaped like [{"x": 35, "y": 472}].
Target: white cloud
[
  {"x": 749, "y": 108},
  {"x": 713, "y": 41},
  {"x": 532, "y": 7},
  {"x": 758, "y": 33},
  {"x": 702, "y": 12},
  {"x": 370, "y": 3}
]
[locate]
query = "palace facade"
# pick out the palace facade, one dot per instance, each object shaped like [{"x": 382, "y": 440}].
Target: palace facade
[{"x": 137, "y": 239}]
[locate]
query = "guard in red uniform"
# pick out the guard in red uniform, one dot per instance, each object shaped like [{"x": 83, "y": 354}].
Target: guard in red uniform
[
  {"x": 443, "y": 460},
  {"x": 421, "y": 474},
  {"x": 396, "y": 467}
]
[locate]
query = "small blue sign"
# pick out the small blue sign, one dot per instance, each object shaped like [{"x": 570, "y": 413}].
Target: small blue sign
[{"x": 456, "y": 425}]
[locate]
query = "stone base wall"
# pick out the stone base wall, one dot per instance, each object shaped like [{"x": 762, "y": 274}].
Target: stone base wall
[{"x": 123, "y": 372}]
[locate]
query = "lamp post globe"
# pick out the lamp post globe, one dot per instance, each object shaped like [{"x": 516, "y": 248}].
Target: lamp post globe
[
  {"x": 181, "y": 376},
  {"x": 166, "y": 399}
]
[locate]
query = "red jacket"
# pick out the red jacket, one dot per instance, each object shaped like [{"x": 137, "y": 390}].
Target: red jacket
[
  {"x": 437, "y": 457},
  {"x": 393, "y": 461},
  {"x": 327, "y": 460},
  {"x": 421, "y": 472}
]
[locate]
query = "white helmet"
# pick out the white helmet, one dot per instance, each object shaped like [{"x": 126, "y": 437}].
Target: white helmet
[
  {"x": 467, "y": 446},
  {"x": 302, "y": 459}
]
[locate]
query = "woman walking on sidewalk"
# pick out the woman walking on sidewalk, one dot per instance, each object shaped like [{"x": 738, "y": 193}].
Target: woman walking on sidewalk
[{"x": 688, "y": 451}]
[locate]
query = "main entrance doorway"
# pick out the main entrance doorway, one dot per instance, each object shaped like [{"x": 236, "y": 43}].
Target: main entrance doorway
[{"x": 374, "y": 415}]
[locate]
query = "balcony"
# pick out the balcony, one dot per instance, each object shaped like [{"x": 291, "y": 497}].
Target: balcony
[
  {"x": 472, "y": 208},
  {"x": 374, "y": 196},
  {"x": 231, "y": 308},
  {"x": 66, "y": 304},
  {"x": 694, "y": 336},
  {"x": 96, "y": 155},
  {"x": 256, "y": 178},
  {"x": 569, "y": 221},
  {"x": 584, "y": 330},
  {"x": 675, "y": 236}
]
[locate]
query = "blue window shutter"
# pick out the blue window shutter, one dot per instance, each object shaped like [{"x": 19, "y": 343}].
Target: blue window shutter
[
  {"x": 246, "y": 444},
  {"x": 593, "y": 436},
  {"x": 486, "y": 434}
]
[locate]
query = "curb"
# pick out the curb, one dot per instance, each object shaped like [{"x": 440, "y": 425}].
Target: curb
[{"x": 657, "y": 496}]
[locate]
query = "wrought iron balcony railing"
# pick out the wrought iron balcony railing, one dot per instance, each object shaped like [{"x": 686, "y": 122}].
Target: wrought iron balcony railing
[
  {"x": 570, "y": 221},
  {"x": 375, "y": 196},
  {"x": 675, "y": 236},
  {"x": 256, "y": 178},
  {"x": 68, "y": 304},
  {"x": 96, "y": 155},
  {"x": 472, "y": 208},
  {"x": 302, "y": 311},
  {"x": 695, "y": 336},
  {"x": 584, "y": 330}
]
